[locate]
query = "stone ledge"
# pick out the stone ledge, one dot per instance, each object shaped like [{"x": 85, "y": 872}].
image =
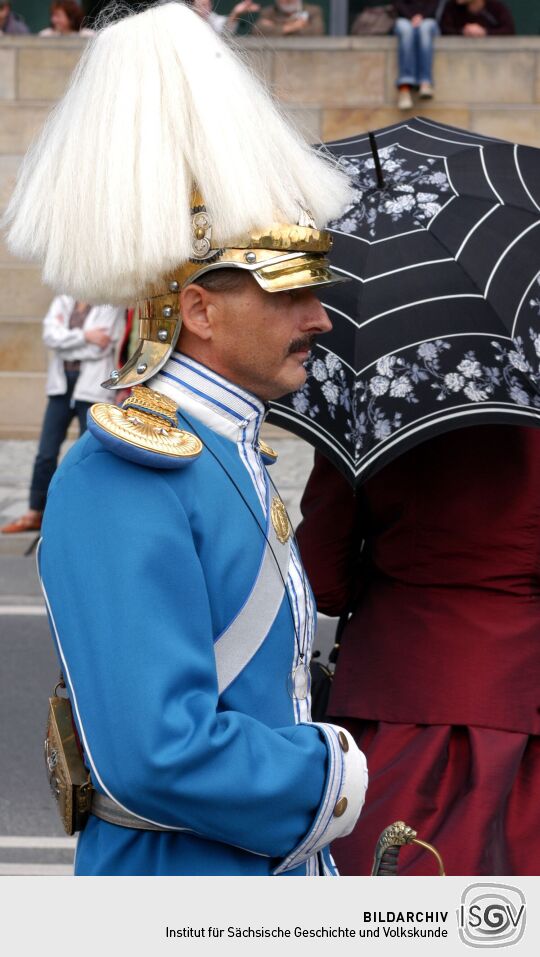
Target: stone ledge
[
  {"x": 305, "y": 43},
  {"x": 32, "y": 40},
  {"x": 43, "y": 74}
]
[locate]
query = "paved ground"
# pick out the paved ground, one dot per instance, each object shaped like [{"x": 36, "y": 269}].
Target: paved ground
[{"x": 31, "y": 839}]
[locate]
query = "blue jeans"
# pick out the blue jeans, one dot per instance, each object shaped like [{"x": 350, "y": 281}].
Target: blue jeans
[
  {"x": 58, "y": 416},
  {"x": 415, "y": 50}
]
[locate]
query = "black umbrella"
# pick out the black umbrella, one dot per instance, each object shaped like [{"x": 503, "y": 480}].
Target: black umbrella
[{"x": 440, "y": 325}]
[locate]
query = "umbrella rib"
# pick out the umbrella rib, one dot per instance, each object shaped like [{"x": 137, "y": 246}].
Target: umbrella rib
[
  {"x": 393, "y": 272},
  {"x": 377, "y": 241},
  {"x": 286, "y": 413},
  {"x": 522, "y": 300},
  {"x": 473, "y": 230},
  {"x": 486, "y": 174},
  {"x": 533, "y": 201},
  {"x": 442, "y": 139},
  {"x": 505, "y": 253},
  {"x": 340, "y": 313},
  {"x": 331, "y": 352},
  {"x": 421, "y": 302},
  {"x": 438, "y": 126}
]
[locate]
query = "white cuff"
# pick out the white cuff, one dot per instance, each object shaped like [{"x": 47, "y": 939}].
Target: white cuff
[{"x": 343, "y": 799}]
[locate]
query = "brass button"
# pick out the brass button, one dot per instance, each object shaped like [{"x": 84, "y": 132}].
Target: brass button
[
  {"x": 343, "y": 741},
  {"x": 340, "y": 807}
]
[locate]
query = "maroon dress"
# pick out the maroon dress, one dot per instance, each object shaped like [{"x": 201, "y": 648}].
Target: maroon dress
[{"x": 439, "y": 671}]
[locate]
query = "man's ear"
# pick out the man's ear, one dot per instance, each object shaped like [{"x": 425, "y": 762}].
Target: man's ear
[{"x": 195, "y": 305}]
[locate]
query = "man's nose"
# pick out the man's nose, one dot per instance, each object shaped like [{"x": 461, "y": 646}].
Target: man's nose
[{"x": 315, "y": 317}]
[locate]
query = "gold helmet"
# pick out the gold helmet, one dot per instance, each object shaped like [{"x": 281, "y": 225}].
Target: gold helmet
[
  {"x": 165, "y": 159},
  {"x": 281, "y": 258}
]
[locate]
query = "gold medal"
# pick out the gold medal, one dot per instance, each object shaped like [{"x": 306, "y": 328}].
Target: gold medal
[
  {"x": 265, "y": 449},
  {"x": 280, "y": 520}
]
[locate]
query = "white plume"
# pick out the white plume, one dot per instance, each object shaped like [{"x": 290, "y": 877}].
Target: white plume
[{"x": 157, "y": 104}]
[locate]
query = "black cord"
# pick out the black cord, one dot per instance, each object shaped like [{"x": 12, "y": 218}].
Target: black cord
[{"x": 301, "y": 652}]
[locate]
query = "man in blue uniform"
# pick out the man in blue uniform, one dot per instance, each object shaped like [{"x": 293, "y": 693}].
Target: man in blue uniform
[{"x": 179, "y": 607}]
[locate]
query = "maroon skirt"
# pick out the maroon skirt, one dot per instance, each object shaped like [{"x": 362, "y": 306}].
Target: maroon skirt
[{"x": 472, "y": 792}]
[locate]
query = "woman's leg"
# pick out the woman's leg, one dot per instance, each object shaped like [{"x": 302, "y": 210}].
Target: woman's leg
[
  {"x": 425, "y": 35},
  {"x": 407, "y": 67},
  {"x": 58, "y": 416}
]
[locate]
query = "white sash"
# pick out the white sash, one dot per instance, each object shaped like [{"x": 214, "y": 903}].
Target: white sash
[{"x": 236, "y": 646}]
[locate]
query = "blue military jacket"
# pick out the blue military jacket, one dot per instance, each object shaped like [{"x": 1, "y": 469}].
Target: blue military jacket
[{"x": 143, "y": 570}]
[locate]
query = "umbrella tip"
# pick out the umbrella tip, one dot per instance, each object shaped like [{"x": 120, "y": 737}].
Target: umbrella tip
[{"x": 376, "y": 159}]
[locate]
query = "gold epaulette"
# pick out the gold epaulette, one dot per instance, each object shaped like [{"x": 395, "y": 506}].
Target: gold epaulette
[{"x": 144, "y": 430}]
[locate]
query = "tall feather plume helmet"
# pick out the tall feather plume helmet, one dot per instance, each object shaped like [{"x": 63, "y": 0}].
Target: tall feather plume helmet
[{"x": 165, "y": 154}]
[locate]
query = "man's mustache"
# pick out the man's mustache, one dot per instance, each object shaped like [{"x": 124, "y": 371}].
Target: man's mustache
[{"x": 301, "y": 345}]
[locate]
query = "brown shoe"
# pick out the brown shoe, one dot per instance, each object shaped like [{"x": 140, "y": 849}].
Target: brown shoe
[{"x": 27, "y": 523}]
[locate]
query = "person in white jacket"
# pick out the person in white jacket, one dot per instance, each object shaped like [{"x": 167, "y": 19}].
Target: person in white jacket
[{"x": 84, "y": 342}]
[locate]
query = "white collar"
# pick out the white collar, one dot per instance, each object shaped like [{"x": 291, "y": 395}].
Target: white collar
[{"x": 223, "y": 406}]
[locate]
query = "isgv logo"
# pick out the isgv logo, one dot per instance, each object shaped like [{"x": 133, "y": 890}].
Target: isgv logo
[{"x": 491, "y": 915}]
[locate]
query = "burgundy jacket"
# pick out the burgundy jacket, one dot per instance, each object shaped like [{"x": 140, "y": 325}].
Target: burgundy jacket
[
  {"x": 495, "y": 18},
  {"x": 446, "y": 592}
]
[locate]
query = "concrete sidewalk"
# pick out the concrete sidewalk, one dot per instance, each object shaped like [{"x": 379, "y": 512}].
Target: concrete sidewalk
[{"x": 289, "y": 473}]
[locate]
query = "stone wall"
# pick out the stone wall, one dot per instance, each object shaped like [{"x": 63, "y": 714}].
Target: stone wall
[{"x": 333, "y": 87}]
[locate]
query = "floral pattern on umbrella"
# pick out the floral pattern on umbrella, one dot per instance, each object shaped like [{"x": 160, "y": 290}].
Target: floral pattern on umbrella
[
  {"x": 433, "y": 373},
  {"x": 413, "y": 195}
]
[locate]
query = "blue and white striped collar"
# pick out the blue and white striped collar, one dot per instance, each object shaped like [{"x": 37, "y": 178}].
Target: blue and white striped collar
[{"x": 221, "y": 405}]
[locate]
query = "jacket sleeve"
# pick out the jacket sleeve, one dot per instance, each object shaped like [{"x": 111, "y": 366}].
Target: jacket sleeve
[
  {"x": 502, "y": 24},
  {"x": 109, "y": 318},
  {"x": 330, "y": 537},
  {"x": 133, "y": 627},
  {"x": 315, "y": 25},
  {"x": 56, "y": 331}
]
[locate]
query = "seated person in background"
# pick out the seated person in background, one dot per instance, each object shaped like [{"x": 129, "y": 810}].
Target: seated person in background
[
  {"x": 290, "y": 17},
  {"x": 416, "y": 27},
  {"x": 477, "y": 18},
  {"x": 66, "y": 17},
  {"x": 11, "y": 24},
  {"x": 220, "y": 22}
]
